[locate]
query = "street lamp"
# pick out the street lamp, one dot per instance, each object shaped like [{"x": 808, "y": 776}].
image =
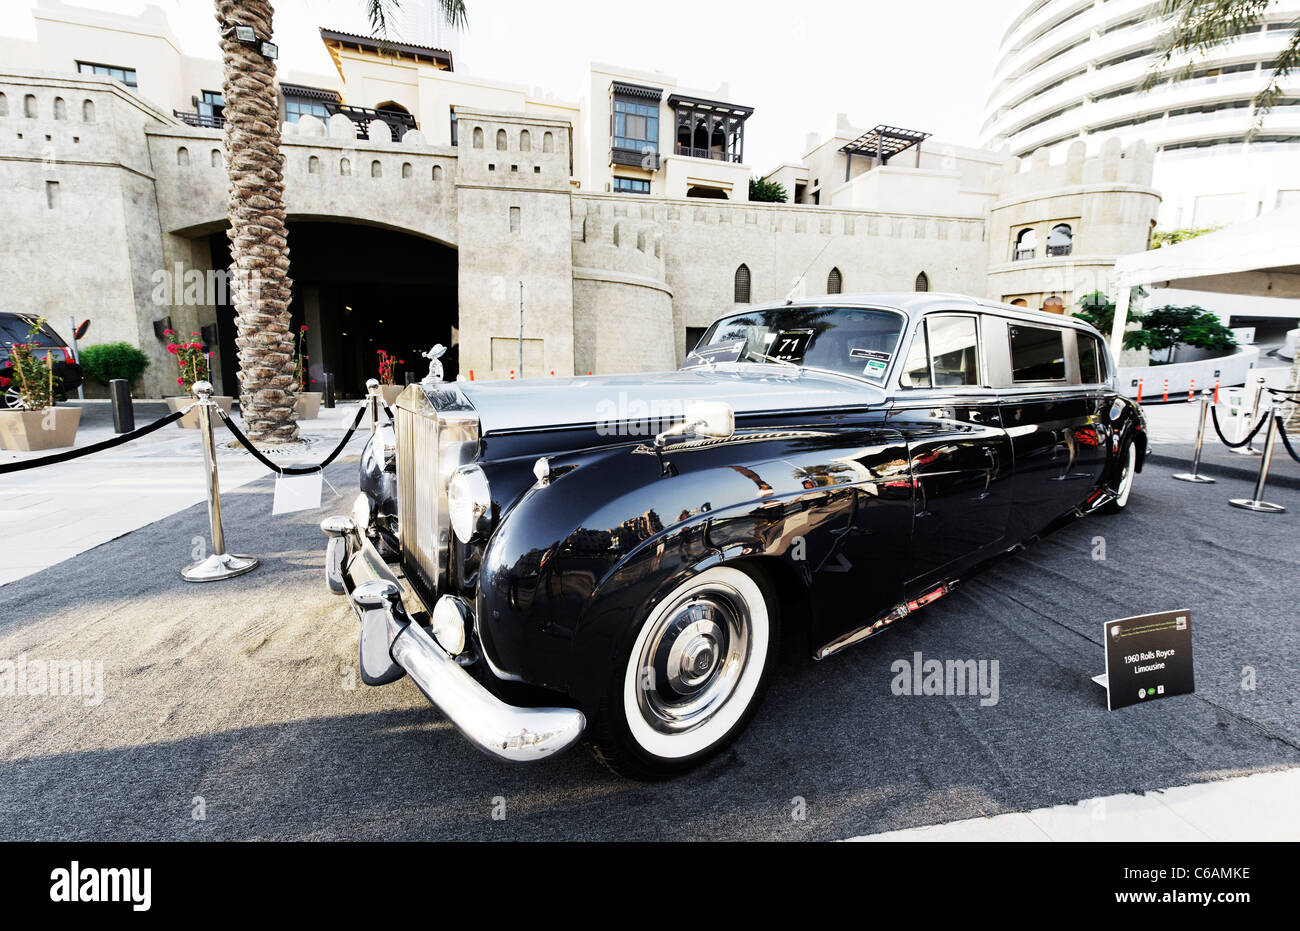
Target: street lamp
[{"x": 248, "y": 36}]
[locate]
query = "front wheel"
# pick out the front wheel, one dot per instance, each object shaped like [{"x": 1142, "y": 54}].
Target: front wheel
[
  {"x": 1124, "y": 482},
  {"x": 692, "y": 678}
]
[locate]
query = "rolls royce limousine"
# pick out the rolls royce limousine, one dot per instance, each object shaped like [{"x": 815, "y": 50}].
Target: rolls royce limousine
[{"x": 615, "y": 558}]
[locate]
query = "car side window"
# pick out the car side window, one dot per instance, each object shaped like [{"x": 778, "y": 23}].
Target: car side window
[
  {"x": 916, "y": 371},
  {"x": 1037, "y": 353},
  {"x": 954, "y": 350},
  {"x": 1089, "y": 360}
]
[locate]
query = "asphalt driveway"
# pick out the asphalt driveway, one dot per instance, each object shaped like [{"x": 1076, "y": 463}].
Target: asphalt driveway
[{"x": 229, "y": 710}]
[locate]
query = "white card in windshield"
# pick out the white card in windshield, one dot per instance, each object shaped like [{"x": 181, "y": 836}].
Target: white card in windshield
[
  {"x": 722, "y": 352},
  {"x": 790, "y": 345}
]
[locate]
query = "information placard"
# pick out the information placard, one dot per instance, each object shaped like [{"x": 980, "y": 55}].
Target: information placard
[{"x": 1148, "y": 657}]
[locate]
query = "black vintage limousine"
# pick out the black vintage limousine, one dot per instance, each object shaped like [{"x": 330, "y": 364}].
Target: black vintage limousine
[{"x": 616, "y": 557}]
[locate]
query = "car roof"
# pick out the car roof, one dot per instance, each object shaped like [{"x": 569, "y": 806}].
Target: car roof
[{"x": 916, "y": 303}]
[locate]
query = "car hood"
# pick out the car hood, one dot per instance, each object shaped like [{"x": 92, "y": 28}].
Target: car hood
[{"x": 507, "y": 406}]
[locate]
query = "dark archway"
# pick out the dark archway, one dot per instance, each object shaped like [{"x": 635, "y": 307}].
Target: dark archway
[{"x": 360, "y": 289}]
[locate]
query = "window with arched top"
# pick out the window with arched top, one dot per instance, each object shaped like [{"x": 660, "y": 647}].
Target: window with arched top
[
  {"x": 183, "y": 156},
  {"x": 437, "y": 172},
  {"x": 1060, "y": 240},
  {"x": 834, "y": 282},
  {"x": 30, "y": 109},
  {"x": 1026, "y": 245},
  {"x": 376, "y": 169},
  {"x": 478, "y": 137},
  {"x": 60, "y": 109},
  {"x": 525, "y": 141},
  {"x": 4, "y": 105},
  {"x": 345, "y": 166},
  {"x": 407, "y": 170},
  {"x": 502, "y": 140},
  {"x": 88, "y": 111},
  {"x": 922, "y": 281},
  {"x": 742, "y": 285},
  {"x": 548, "y": 142},
  {"x": 214, "y": 159}
]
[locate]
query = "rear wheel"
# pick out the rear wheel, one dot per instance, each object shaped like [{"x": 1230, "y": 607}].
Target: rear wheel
[
  {"x": 1124, "y": 480},
  {"x": 692, "y": 677}
]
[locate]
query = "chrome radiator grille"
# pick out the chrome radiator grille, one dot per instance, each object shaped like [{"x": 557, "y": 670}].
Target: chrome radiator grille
[
  {"x": 437, "y": 431},
  {"x": 423, "y": 554}
]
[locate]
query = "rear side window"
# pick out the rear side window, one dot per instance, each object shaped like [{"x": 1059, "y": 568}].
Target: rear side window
[
  {"x": 1037, "y": 353},
  {"x": 954, "y": 351},
  {"x": 1090, "y": 360},
  {"x": 14, "y": 329}
]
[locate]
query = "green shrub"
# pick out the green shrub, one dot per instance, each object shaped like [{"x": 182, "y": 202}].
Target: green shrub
[
  {"x": 107, "y": 361},
  {"x": 766, "y": 191}
]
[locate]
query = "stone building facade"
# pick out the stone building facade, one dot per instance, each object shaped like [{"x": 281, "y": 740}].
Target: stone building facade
[{"x": 115, "y": 212}]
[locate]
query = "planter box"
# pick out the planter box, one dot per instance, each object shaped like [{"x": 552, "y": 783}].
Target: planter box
[
  {"x": 308, "y": 404},
  {"x": 191, "y": 420},
  {"x": 28, "y": 430},
  {"x": 391, "y": 392}
]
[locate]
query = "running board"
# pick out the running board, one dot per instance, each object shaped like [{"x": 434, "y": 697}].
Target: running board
[{"x": 898, "y": 613}]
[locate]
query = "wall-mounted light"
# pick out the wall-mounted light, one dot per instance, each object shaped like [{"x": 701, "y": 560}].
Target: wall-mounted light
[{"x": 248, "y": 36}]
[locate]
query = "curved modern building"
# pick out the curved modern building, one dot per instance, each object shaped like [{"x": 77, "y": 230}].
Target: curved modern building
[{"x": 1073, "y": 69}]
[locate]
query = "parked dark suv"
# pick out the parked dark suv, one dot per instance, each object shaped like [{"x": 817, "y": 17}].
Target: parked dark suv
[{"x": 14, "y": 328}]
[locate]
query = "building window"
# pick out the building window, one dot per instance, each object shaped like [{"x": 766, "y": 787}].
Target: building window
[
  {"x": 835, "y": 282},
  {"x": 125, "y": 75},
  {"x": 742, "y": 285},
  {"x": 631, "y": 186},
  {"x": 502, "y": 140},
  {"x": 1026, "y": 245},
  {"x": 1060, "y": 240},
  {"x": 636, "y": 125},
  {"x": 478, "y": 137},
  {"x": 922, "y": 282},
  {"x": 295, "y": 110},
  {"x": 212, "y": 105},
  {"x": 453, "y": 126}
]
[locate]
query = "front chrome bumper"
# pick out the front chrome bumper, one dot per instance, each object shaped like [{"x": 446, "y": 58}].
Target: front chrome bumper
[{"x": 392, "y": 644}]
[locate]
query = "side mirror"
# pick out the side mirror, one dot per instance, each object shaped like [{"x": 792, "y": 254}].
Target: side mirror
[
  {"x": 714, "y": 419},
  {"x": 711, "y": 418}
]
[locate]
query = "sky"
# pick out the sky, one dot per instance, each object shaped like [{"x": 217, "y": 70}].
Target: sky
[{"x": 923, "y": 64}]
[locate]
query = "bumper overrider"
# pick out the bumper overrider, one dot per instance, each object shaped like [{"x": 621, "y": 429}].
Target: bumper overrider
[{"x": 393, "y": 645}]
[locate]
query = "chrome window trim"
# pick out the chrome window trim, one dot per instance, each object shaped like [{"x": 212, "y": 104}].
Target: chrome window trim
[{"x": 896, "y": 379}]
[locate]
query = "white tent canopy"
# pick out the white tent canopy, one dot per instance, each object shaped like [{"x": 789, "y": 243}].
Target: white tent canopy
[{"x": 1258, "y": 257}]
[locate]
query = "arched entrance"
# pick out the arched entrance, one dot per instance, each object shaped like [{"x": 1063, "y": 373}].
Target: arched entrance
[{"x": 359, "y": 289}]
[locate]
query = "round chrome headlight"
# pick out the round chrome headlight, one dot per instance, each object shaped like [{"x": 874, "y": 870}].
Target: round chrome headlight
[
  {"x": 450, "y": 616},
  {"x": 468, "y": 501}
]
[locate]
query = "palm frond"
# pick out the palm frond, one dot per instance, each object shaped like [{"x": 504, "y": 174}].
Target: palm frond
[{"x": 1196, "y": 26}]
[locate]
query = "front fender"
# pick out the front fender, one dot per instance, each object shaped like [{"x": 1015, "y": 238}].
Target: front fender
[{"x": 576, "y": 564}]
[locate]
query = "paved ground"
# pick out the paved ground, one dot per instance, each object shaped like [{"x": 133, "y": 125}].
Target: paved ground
[
  {"x": 50, "y": 514},
  {"x": 235, "y": 698}
]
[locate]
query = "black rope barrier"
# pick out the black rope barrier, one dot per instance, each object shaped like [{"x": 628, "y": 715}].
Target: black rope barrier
[
  {"x": 1214, "y": 415},
  {"x": 1286, "y": 440},
  {"x": 388, "y": 413},
  {"x": 93, "y": 447},
  {"x": 291, "y": 470}
]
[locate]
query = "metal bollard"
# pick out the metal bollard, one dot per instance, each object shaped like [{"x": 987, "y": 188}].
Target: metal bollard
[
  {"x": 1194, "y": 476},
  {"x": 123, "y": 412},
  {"x": 220, "y": 564},
  {"x": 1249, "y": 449},
  {"x": 1257, "y": 502},
  {"x": 372, "y": 403},
  {"x": 329, "y": 389}
]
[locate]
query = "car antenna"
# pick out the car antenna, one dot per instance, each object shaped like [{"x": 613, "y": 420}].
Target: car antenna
[{"x": 789, "y": 297}]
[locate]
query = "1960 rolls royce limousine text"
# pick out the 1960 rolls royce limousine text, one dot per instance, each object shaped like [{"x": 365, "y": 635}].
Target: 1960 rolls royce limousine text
[{"x": 615, "y": 558}]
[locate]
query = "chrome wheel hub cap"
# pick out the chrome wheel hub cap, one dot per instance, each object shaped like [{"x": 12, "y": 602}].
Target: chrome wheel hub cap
[{"x": 693, "y": 658}]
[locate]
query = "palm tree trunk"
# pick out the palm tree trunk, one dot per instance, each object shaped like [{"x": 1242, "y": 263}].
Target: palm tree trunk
[{"x": 259, "y": 248}]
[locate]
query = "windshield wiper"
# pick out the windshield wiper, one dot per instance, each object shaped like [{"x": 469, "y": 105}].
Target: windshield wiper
[
  {"x": 796, "y": 367},
  {"x": 709, "y": 362}
]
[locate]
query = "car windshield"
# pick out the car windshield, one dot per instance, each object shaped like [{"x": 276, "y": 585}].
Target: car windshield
[{"x": 849, "y": 340}]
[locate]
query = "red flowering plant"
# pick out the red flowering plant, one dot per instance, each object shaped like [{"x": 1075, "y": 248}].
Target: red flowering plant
[
  {"x": 33, "y": 377},
  {"x": 388, "y": 364},
  {"x": 300, "y": 367},
  {"x": 191, "y": 361}
]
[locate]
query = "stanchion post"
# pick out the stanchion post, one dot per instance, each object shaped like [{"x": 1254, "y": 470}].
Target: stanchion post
[
  {"x": 123, "y": 413},
  {"x": 219, "y": 564},
  {"x": 1249, "y": 449},
  {"x": 1256, "y": 502},
  {"x": 372, "y": 403},
  {"x": 1194, "y": 475}
]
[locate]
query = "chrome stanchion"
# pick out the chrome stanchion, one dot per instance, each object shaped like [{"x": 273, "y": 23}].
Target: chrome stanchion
[
  {"x": 1194, "y": 475},
  {"x": 220, "y": 564},
  {"x": 1256, "y": 502},
  {"x": 372, "y": 403},
  {"x": 1249, "y": 449}
]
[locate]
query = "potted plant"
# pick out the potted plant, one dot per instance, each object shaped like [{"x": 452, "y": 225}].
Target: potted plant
[
  {"x": 388, "y": 364},
  {"x": 38, "y": 423},
  {"x": 104, "y": 362},
  {"x": 308, "y": 403},
  {"x": 192, "y": 365}
]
